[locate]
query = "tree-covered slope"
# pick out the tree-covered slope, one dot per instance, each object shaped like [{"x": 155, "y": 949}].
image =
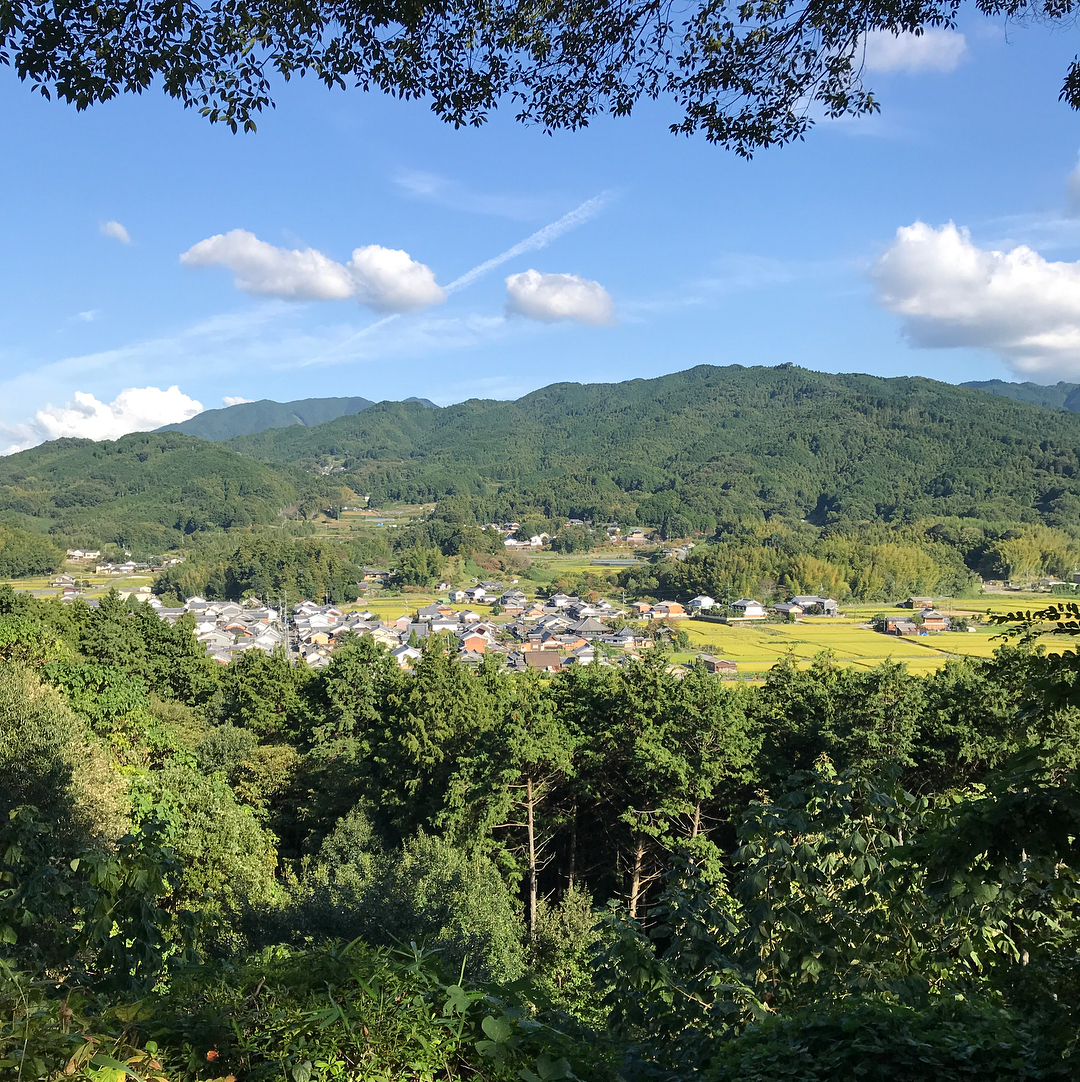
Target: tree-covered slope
[
  {"x": 714, "y": 445},
  {"x": 141, "y": 490},
  {"x": 246, "y": 417},
  {"x": 1057, "y": 396}
]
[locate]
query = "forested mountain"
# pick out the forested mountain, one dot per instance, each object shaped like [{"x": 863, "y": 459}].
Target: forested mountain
[
  {"x": 1058, "y": 396},
  {"x": 701, "y": 451},
  {"x": 143, "y": 491},
  {"x": 245, "y": 418},
  {"x": 710, "y": 446}
]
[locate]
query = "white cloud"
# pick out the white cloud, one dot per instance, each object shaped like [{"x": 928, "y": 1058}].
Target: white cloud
[
  {"x": 935, "y": 49},
  {"x": 550, "y": 297},
  {"x": 235, "y": 400},
  {"x": 388, "y": 280},
  {"x": 135, "y": 409},
  {"x": 89, "y": 315},
  {"x": 116, "y": 231},
  {"x": 382, "y": 278},
  {"x": 261, "y": 268},
  {"x": 950, "y": 293}
]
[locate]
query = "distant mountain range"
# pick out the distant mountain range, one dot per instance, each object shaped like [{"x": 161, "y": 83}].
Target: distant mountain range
[
  {"x": 694, "y": 451},
  {"x": 707, "y": 446},
  {"x": 246, "y": 418},
  {"x": 1062, "y": 396},
  {"x": 251, "y": 418}
]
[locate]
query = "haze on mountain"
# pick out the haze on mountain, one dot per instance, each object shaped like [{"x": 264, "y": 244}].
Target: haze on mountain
[
  {"x": 244, "y": 418},
  {"x": 1057, "y": 396}
]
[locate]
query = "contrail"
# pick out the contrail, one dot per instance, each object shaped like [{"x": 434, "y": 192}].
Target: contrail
[
  {"x": 540, "y": 239},
  {"x": 352, "y": 338}
]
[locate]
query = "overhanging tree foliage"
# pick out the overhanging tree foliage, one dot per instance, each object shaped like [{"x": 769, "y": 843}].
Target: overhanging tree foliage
[{"x": 746, "y": 75}]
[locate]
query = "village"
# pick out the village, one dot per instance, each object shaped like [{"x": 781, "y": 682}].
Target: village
[
  {"x": 542, "y": 634},
  {"x": 531, "y": 634},
  {"x": 739, "y": 638}
]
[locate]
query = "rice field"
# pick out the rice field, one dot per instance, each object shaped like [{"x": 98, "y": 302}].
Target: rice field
[
  {"x": 99, "y": 584},
  {"x": 756, "y": 648}
]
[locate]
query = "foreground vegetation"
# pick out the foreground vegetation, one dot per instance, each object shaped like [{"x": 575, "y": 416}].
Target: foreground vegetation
[{"x": 368, "y": 872}]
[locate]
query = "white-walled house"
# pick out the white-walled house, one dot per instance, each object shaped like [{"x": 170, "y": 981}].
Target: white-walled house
[
  {"x": 748, "y": 608},
  {"x": 702, "y": 602}
]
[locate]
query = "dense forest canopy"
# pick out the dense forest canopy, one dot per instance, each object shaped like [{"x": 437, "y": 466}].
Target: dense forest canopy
[
  {"x": 615, "y": 873},
  {"x": 144, "y": 492},
  {"x": 271, "y": 567},
  {"x": 711, "y": 446}
]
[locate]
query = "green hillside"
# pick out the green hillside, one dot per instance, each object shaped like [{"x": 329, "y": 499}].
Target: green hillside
[
  {"x": 714, "y": 445},
  {"x": 247, "y": 417},
  {"x": 1057, "y": 396},
  {"x": 698, "y": 450},
  {"x": 142, "y": 491}
]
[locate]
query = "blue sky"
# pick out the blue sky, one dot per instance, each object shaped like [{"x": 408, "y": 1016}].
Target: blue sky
[{"x": 680, "y": 253}]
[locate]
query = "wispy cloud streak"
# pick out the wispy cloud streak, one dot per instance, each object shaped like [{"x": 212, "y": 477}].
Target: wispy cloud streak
[{"x": 540, "y": 239}]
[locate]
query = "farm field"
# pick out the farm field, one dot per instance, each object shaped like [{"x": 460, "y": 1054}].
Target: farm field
[
  {"x": 99, "y": 584},
  {"x": 757, "y": 648}
]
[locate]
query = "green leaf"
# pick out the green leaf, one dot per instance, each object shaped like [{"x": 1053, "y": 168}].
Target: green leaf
[
  {"x": 457, "y": 999},
  {"x": 499, "y": 1029}
]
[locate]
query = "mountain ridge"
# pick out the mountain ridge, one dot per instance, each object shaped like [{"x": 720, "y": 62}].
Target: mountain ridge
[
  {"x": 695, "y": 452},
  {"x": 249, "y": 418},
  {"x": 711, "y": 444},
  {"x": 1061, "y": 395}
]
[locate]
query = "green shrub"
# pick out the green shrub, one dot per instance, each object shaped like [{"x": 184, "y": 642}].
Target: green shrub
[{"x": 949, "y": 1041}]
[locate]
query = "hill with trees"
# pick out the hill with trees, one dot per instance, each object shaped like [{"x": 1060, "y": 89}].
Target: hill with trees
[
  {"x": 247, "y": 417},
  {"x": 143, "y": 492},
  {"x": 244, "y": 418},
  {"x": 712, "y": 446},
  {"x": 1056, "y": 396}
]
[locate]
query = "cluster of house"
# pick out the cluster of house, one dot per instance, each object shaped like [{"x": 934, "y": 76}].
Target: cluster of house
[
  {"x": 746, "y": 608},
  {"x": 227, "y": 629},
  {"x": 635, "y": 538},
  {"x": 543, "y": 635},
  {"x": 924, "y": 618}
]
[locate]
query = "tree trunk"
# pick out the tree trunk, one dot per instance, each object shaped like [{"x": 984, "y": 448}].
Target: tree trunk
[
  {"x": 635, "y": 881},
  {"x": 573, "y": 848},
  {"x": 531, "y": 902},
  {"x": 697, "y": 820}
]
